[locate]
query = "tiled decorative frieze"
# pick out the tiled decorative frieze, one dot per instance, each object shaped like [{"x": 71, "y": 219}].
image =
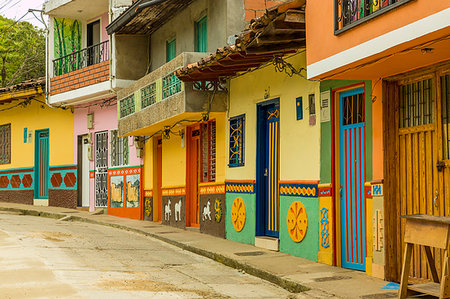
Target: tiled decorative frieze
[
  {"x": 212, "y": 189},
  {"x": 17, "y": 179},
  {"x": 62, "y": 177},
  {"x": 240, "y": 186},
  {"x": 298, "y": 189},
  {"x": 174, "y": 191}
]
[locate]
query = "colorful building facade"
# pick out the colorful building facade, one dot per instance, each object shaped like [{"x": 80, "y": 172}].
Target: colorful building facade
[
  {"x": 85, "y": 73},
  {"x": 36, "y": 148},
  {"x": 384, "y": 73}
]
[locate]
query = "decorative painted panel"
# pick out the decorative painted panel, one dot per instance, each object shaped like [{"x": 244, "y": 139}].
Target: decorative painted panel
[
  {"x": 63, "y": 177},
  {"x": 240, "y": 187},
  {"x": 212, "y": 189},
  {"x": 303, "y": 190},
  {"x": 67, "y": 36},
  {"x": 124, "y": 187},
  {"x": 17, "y": 179},
  {"x": 324, "y": 232}
]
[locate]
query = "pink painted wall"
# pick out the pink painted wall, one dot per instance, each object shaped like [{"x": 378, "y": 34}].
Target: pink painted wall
[
  {"x": 105, "y": 119},
  {"x": 104, "y": 22}
]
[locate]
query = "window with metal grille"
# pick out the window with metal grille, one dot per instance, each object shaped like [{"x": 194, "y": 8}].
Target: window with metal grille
[
  {"x": 148, "y": 95},
  {"x": 119, "y": 149},
  {"x": 445, "y": 95},
  {"x": 171, "y": 85},
  {"x": 127, "y": 106},
  {"x": 237, "y": 130},
  {"x": 201, "y": 35},
  {"x": 208, "y": 151},
  {"x": 5, "y": 144},
  {"x": 353, "y": 109},
  {"x": 416, "y": 104}
]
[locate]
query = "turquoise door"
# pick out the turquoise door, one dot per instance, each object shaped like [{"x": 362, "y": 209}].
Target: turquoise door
[
  {"x": 353, "y": 172},
  {"x": 41, "y": 164}
]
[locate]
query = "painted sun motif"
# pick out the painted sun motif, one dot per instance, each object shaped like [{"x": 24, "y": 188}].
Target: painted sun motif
[
  {"x": 297, "y": 221},
  {"x": 238, "y": 214}
]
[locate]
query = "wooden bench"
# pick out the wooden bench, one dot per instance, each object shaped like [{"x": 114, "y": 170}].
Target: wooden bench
[{"x": 428, "y": 231}]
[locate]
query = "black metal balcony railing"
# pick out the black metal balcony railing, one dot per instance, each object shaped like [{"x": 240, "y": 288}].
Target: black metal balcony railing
[
  {"x": 350, "y": 13},
  {"x": 81, "y": 59}
]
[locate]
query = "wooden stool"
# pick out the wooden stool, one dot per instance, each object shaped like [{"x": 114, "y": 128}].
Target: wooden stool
[{"x": 428, "y": 231}]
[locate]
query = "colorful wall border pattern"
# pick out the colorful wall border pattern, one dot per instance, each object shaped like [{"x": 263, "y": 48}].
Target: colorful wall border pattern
[
  {"x": 212, "y": 189},
  {"x": 174, "y": 191},
  {"x": 240, "y": 187},
  {"x": 17, "y": 179},
  {"x": 299, "y": 189},
  {"x": 62, "y": 177}
]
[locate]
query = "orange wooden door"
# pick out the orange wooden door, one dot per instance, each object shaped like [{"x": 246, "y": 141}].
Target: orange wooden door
[
  {"x": 193, "y": 176},
  {"x": 159, "y": 177}
]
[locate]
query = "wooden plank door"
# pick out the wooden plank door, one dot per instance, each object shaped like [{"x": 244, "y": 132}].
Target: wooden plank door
[
  {"x": 268, "y": 168},
  {"x": 352, "y": 173},
  {"x": 42, "y": 163},
  {"x": 193, "y": 177}
]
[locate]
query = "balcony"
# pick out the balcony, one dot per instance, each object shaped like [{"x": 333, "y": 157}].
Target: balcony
[
  {"x": 160, "y": 98},
  {"x": 351, "y": 13},
  {"x": 80, "y": 69}
]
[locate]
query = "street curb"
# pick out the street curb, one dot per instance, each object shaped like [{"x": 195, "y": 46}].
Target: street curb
[{"x": 286, "y": 284}]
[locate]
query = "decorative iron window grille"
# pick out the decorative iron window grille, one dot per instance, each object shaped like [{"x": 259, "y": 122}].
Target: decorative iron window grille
[
  {"x": 119, "y": 149},
  {"x": 350, "y": 13},
  {"x": 5, "y": 144},
  {"x": 237, "y": 142},
  {"x": 81, "y": 59},
  {"x": 148, "y": 95},
  {"x": 416, "y": 104},
  {"x": 208, "y": 151},
  {"x": 445, "y": 95},
  {"x": 354, "y": 111},
  {"x": 170, "y": 85},
  {"x": 127, "y": 106}
]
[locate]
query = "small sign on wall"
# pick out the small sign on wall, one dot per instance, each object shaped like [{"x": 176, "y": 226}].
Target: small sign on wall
[
  {"x": 25, "y": 135},
  {"x": 299, "y": 107},
  {"x": 325, "y": 98},
  {"x": 30, "y": 136}
]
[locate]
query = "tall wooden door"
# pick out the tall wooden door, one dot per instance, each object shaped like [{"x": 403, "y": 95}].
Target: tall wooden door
[
  {"x": 101, "y": 169},
  {"x": 41, "y": 163},
  {"x": 352, "y": 173},
  {"x": 417, "y": 161},
  {"x": 193, "y": 177},
  {"x": 268, "y": 168}
]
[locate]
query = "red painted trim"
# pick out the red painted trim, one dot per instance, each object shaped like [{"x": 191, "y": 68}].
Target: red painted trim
[
  {"x": 351, "y": 86},
  {"x": 62, "y": 168},
  {"x": 17, "y": 171},
  {"x": 300, "y": 182},
  {"x": 333, "y": 175},
  {"x": 241, "y": 181}
]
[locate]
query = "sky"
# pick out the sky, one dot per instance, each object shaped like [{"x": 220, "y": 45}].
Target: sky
[{"x": 15, "y": 9}]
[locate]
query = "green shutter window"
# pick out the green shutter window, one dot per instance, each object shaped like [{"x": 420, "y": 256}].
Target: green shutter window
[
  {"x": 171, "y": 49},
  {"x": 200, "y": 35}
]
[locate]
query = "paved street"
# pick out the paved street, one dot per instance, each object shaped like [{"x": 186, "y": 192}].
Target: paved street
[{"x": 42, "y": 257}]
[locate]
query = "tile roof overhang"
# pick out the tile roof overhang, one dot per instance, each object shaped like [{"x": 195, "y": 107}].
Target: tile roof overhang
[
  {"x": 21, "y": 90},
  {"x": 281, "y": 30},
  {"x": 146, "y": 16}
]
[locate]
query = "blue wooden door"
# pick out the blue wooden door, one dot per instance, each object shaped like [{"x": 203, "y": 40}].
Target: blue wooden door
[
  {"x": 352, "y": 173},
  {"x": 41, "y": 163},
  {"x": 268, "y": 168}
]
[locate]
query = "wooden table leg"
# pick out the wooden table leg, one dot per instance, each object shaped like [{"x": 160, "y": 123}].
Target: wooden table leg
[
  {"x": 405, "y": 271},
  {"x": 445, "y": 279},
  {"x": 431, "y": 264}
]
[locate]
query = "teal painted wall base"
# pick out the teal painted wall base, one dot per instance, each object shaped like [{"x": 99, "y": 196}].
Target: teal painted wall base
[
  {"x": 308, "y": 248},
  {"x": 247, "y": 234}
]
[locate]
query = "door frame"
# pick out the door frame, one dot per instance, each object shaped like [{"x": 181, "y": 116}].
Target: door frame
[
  {"x": 37, "y": 163},
  {"x": 189, "y": 180},
  {"x": 260, "y": 157}
]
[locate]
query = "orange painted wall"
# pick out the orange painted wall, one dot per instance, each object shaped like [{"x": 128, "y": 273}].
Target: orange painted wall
[
  {"x": 320, "y": 26},
  {"x": 377, "y": 130}
]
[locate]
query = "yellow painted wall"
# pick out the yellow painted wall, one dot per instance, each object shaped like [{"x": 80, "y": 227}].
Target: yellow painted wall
[
  {"x": 173, "y": 162},
  {"x": 34, "y": 117},
  {"x": 299, "y": 142}
]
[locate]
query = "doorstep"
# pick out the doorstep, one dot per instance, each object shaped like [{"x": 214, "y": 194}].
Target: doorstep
[
  {"x": 42, "y": 202},
  {"x": 268, "y": 243}
]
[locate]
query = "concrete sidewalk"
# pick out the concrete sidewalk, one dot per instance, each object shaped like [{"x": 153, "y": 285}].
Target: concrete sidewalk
[{"x": 292, "y": 273}]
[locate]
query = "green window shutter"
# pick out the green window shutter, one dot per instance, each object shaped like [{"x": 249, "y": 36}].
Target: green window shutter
[
  {"x": 201, "y": 35},
  {"x": 171, "y": 49}
]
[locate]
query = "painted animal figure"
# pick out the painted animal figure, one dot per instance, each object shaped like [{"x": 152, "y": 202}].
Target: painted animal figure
[
  {"x": 207, "y": 211},
  {"x": 167, "y": 211},
  {"x": 178, "y": 211}
]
